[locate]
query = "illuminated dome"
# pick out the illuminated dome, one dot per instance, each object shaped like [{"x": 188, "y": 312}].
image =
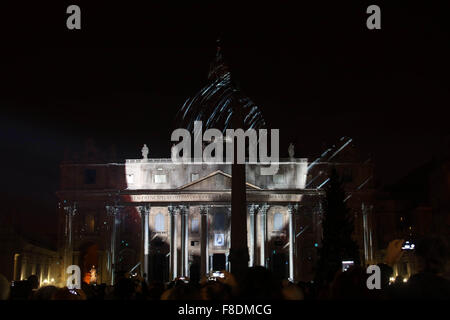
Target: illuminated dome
[{"x": 213, "y": 103}]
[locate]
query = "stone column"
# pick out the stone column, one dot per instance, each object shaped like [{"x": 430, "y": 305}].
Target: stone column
[
  {"x": 70, "y": 211},
  {"x": 253, "y": 234},
  {"x": 113, "y": 215},
  {"x": 263, "y": 226},
  {"x": 23, "y": 268},
  {"x": 204, "y": 254},
  {"x": 229, "y": 257},
  {"x": 49, "y": 264},
  {"x": 16, "y": 267},
  {"x": 290, "y": 211},
  {"x": 173, "y": 242},
  {"x": 367, "y": 232},
  {"x": 145, "y": 212},
  {"x": 184, "y": 211}
]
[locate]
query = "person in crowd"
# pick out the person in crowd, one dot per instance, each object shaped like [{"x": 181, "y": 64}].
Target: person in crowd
[
  {"x": 155, "y": 290},
  {"x": 89, "y": 290},
  {"x": 260, "y": 284},
  {"x": 44, "y": 293},
  {"x": 230, "y": 281},
  {"x": 125, "y": 289},
  {"x": 182, "y": 291},
  {"x": 4, "y": 288},
  {"x": 24, "y": 289},
  {"x": 68, "y": 294},
  {"x": 308, "y": 290},
  {"x": 216, "y": 291},
  {"x": 351, "y": 285},
  {"x": 291, "y": 291}
]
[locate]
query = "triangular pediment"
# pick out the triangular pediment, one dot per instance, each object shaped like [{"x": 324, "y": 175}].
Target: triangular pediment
[{"x": 217, "y": 180}]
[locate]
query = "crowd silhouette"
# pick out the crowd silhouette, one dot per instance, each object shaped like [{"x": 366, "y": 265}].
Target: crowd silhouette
[{"x": 260, "y": 283}]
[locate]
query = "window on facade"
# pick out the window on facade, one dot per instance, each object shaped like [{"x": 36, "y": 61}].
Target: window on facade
[
  {"x": 194, "y": 225},
  {"x": 195, "y": 243},
  {"x": 90, "y": 223},
  {"x": 160, "y": 178},
  {"x": 194, "y": 176},
  {"x": 130, "y": 178},
  {"x": 90, "y": 176},
  {"x": 277, "y": 221},
  {"x": 219, "y": 221},
  {"x": 160, "y": 223}
]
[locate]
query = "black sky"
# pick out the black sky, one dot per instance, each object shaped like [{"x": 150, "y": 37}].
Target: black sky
[{"x": 316, "y": 71}]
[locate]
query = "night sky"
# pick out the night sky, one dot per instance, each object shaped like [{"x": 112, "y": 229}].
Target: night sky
[{"x": 316, "y": 72}]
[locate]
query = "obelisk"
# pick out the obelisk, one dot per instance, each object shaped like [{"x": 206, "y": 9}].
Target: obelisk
[{"x": 239, "y": 256}]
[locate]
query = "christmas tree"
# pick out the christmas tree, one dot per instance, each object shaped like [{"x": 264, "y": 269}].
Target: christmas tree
[{"x": 337, "y": 224}]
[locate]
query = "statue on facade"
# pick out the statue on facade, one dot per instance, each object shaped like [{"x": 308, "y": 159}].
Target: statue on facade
[
  {"x": 291, "y": 150},
  {"x": 144, "y": 152}
]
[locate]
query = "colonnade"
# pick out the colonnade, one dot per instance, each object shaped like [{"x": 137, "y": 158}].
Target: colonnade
[{"x": 180, "y": 213}]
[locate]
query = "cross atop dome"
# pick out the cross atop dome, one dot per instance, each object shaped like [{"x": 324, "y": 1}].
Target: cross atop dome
[
  {"x": 218, "y": 52},
  {"x": 218, "y": 67},
  {"x": 213, "y": 104}
]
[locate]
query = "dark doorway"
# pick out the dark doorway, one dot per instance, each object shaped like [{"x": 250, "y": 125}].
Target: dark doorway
[
  {"x": 279, "y": 265},
  {"x": 219, "y": 261},
  {"x": 159, "y": 267},
  {"x": 194, "y": 269}
]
